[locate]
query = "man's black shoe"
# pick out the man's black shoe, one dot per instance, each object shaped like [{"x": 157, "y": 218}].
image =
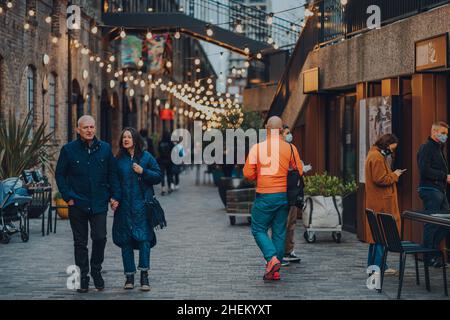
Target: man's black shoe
[
  {"x": 84, "y": 285},
  {"x": 98, "y": 281}
]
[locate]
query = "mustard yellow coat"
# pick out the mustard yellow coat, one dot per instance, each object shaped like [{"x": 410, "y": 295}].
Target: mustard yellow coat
[{"x": 380, "y": 188}]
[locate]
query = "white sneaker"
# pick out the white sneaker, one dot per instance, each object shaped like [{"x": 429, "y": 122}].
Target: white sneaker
[{"x": 390, "y": 272}]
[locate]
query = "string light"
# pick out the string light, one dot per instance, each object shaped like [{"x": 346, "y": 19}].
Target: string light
[
  {"x": 209, "y": 31},
  {"x": 177, "y": 35},
  {"x": 9, "y": 4},
  {"x": 123, "y": 34},
  {"x": 259, "y": 56},
  {"x": 94, "y": 29},
  {"x": 149, "y": 35},
  {"x": 31, "y": 13},
  {"x": 48, "y": 19},
  {"x": 270, "y": 18}
]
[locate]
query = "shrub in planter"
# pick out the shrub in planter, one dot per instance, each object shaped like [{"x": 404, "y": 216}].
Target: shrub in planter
[{"x": 324, "y": 205}]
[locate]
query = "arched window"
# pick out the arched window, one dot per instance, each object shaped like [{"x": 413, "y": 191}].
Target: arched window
[{"x": 52, "y": 91}]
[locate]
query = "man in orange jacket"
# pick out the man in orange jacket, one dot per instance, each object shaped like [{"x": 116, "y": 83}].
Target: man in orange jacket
[{"x": 268, "y": 163}]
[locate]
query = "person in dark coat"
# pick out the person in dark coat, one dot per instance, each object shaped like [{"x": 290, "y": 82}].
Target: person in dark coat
[
  {"x": 165, "y": 161},
  {"x": 86, "y": 176},
  {"x": 434, "y": 178},
  {"x": 138, "y": 172}
]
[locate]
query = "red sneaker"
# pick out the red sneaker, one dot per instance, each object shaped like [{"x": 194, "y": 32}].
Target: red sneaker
[
  {"x": 276, "y": 276},
  {"x": 273, "y": 266}
]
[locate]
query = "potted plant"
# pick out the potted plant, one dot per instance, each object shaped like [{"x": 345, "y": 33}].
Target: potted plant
[
  {"x": 62, "y": 211},
  {"x": 324, "y": 196}
]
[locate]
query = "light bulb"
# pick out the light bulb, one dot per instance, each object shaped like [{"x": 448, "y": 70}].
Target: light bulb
[
  {"x": 31, "y": 13},
  {"x": 209, "y": 32},
  {"x": 169, "y": 64},
  {"x": 131, "y": 92},
  {"x": 259, "y": 55},
  {"x": 112, "y": 58},
  {"x": 197, "y": 61},
  {"x": 9, "y": 4},
  {"x": 48, "y": 19},
  {"x": 177, "y": 35},
  {"x": 94, "y": 30},
  {"x": 112, "y": 84},
  {"x": 26, "y": 26},
  {"x": 123, "y": 34},
  {"x": 247, "y": 50},
  {"x": 149, "y": 35}
]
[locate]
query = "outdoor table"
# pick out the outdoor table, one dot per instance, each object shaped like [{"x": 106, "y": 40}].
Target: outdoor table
[{"x": 441, "y": 218}]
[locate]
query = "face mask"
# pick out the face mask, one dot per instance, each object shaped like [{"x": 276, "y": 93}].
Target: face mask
[
  {"x": 442, "y": 137},
  {"x": 289, "y": 138}
]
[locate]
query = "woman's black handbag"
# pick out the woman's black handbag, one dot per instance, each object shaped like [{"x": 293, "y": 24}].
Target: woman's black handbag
[
  {"x": 155, "y": 213},
  {"x": 295, "y": 185}
]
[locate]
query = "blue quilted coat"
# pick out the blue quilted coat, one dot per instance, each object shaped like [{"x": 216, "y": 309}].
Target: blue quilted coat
[{"x": 130, "y": 219}]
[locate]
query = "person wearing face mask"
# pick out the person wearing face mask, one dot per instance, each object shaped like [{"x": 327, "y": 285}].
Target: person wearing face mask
[
  {"x": 289, "y": 253},
  {"x": 434, "y": 178},
  {"x": 381, "y": 190}
]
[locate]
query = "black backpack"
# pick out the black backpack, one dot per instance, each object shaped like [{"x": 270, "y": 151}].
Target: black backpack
[{"x": 295, "y": 185}]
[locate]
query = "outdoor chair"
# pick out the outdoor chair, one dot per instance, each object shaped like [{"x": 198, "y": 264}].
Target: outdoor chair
[{"x": 394, "y": 244}]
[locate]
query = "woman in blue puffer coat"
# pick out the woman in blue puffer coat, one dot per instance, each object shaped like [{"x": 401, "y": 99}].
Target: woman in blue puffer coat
[{"x": 138, "y": 172}]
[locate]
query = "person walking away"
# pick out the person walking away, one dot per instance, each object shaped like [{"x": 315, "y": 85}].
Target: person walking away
[
  {"x": 138, "y": 172},
  {"x": 165, "y": 161},
  {"x": 148, "y": 142},
  {"x": 86, "y": 175},
  {"x": 177, "y": 168},
  {"x": 268, "y": 163},
  {"x": 434, "y": 178},
  {"x": 381, "y": 191}
]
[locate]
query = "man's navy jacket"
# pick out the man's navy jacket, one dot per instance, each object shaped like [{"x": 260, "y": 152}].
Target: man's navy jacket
[{"x": 88, "y": 175}]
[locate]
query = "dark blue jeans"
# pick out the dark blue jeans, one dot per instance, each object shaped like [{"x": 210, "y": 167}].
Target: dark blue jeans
[
  {"x": 434, "y": 200},
  {"x": 128, "y": 257}
]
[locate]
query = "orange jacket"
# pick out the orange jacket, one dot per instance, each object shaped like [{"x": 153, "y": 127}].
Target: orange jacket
[{"x": 270, "y": 170}]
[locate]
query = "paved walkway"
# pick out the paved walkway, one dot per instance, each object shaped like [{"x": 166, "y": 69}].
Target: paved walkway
[{"x": 201, "y": 256}]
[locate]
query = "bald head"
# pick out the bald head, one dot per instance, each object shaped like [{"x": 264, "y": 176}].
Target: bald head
[{"x": 274, "y": 123}]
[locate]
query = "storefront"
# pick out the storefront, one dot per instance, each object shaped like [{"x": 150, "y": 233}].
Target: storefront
[{"x": 336, "y": 127}]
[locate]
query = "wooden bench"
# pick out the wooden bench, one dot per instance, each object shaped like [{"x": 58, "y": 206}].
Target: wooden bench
[{"x": 239, "y": 203}]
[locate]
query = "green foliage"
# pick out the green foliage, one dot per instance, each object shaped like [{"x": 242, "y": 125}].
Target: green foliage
[
  {"x": 252, "y": 120},
  {"x": 328, "y": 186},
  {"x": 19, "y": 150}
]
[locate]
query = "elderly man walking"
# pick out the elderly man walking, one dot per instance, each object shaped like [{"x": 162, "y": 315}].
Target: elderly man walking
[
  {"x": 268, "y": 163},
  {"x": 87, "y": 179}
]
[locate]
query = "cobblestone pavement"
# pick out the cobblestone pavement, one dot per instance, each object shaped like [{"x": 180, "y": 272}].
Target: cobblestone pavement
[{"x": 201, "y": 256}]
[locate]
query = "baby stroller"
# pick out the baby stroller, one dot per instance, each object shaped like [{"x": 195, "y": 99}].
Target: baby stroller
[{"x": 14, "y": 199}]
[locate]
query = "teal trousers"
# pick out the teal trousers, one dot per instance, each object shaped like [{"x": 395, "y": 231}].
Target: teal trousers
[{"x": 270, "y": 211}]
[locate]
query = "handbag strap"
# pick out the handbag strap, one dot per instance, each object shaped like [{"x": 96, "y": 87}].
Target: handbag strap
[{"x": 292, "y": 156}]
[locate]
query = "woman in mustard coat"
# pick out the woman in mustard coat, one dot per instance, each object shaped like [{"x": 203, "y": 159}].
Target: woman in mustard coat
[{"x": 381, "y": 187}]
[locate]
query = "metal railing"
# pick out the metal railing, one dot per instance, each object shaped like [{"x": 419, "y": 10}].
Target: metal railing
[
  {"x": 226, "y": 14},
  {"x": 332, "y": 23},
  {"x": 338, "y": 21}
]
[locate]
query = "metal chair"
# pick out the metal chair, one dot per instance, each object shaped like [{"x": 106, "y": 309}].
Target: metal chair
[{"x": 394, "y": 244}]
